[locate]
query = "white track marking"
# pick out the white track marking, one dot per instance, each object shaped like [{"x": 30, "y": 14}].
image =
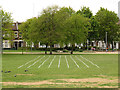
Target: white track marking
[
  {"x": 28, "y": 62},
  {"x": 59, "y": 62},
  {"x": 82, "y": 62},
  {"x": 44, "y": 62},
  {"x": 51, "y": 62},
  {"x": 90, "y": 61},
  {"x": 35, "y": 62},
  {"x": 74, "y": 62},
  {"x": 67, "y": 62}
]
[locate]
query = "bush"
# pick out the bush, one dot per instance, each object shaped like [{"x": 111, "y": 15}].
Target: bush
[
  {"x": 65, "y": 50},
  {"x": 80, "y": 50}
]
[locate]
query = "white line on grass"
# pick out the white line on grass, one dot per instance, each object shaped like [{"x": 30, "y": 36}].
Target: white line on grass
[
  {"x": 28, "y": 62},
  {"x": 44, "y": 62},
  {"x": 74, "y": 62},
  {"x": 35, "y": 62},
  {"x": 59, "y": 62},
  {"x": 67, "y": 62},
  {"x": 90, "y": 61},
  {"x": 51, "y": 62},
  {"x": 82, "y": 62}
]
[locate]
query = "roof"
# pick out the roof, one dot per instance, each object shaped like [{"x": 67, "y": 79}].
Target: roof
[{"x": 15, "y": 26}]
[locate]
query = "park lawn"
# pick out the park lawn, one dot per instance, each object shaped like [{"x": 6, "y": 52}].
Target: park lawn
[{"x": 55, "y": 68}]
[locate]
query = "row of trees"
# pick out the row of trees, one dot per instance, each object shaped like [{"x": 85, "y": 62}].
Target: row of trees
[{"x": 63, "y": 26}]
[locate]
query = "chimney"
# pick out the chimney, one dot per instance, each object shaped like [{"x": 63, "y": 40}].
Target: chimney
[
  {"x": 17, "y": 25},
  {"x": 119, "y": 9}
]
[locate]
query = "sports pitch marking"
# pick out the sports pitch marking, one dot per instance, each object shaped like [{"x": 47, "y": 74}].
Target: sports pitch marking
[
  {"x": 82, "y": 62},
  {"x": 67, "y": 62},
  {"x": 43, "y": 62},
  {"x": 59, "y": 61},
  {"x": 28, "y": 62},
  {"x": 51, "y": 62},
  {"x": 74, "y": 61},
  {"x": 35, "y": 62},
  {"x": 90, "y": 61}
]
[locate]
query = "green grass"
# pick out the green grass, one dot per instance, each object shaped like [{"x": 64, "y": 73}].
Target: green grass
[{"x": 108, "y": 66}]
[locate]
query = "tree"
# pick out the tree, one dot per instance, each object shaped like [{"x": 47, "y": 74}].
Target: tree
[
  {"x": 6, "y": 23},
  {"x": 76, "y": 29},
  {"x": 40, "y": 28},
  {"x": 108, "y": 23},
  {"x": 26, "y": 28},
  {"x": 61, "y": 16},
  {"x": 49, "y": 26},
  {"x": 93, "y": 33},
  {"x": 85, "y": 11}
]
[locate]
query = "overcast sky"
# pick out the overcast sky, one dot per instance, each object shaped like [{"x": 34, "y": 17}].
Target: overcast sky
[{"x": 24, "y": 9}]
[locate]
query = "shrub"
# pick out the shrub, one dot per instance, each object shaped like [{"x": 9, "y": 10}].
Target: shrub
[
  {"x": 65, "y": 50},
  {"x": 80, "y": 50}
]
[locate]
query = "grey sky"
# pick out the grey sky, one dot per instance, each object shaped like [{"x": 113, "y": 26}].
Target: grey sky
[{"x": 24, "y": 9}]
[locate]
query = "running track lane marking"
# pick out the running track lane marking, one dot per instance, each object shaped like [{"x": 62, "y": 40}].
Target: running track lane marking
[
  {"x": 59, "y": 62},
  {"x": 90, "y": 62},
  {"x": 44, "y": 62},
  {"x": 74, "y": 62},
  {"x": 82, "y": 62},
  {"x": 35, "y": 62},
  {"x": 51, "y": 62},
  {"x": 67, "y": 62},
  {"x": 28, "y": 62}
]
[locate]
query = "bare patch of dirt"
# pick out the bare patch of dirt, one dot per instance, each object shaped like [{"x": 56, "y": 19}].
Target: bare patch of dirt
[
  {"x": 88, "y": 82},
  {"x": 101, "y": 80},
  {"x": 27, "y": 83}
]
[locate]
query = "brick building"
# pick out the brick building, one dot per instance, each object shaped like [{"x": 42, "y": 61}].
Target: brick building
[{"x": 17, "y": 38}]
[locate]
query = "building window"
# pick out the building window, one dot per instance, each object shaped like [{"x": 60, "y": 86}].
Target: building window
[
  {"x": 13, "y": 24},
  {"x": 6, "y": 44},
  {"x": 16, "y": 34}
]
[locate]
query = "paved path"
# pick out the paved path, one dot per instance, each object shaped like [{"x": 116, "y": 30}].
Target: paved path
[{"x": 116, "y": 52}]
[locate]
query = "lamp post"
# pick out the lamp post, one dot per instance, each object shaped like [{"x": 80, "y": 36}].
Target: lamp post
[
  {"x": 106, "y": 41},
  {"x": 1, "y": 41}
]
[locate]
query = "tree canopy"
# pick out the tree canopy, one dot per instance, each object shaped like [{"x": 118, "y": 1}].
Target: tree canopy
[
  {"x": 76, "y": 29},
  {"x": 63, "y": 25},
  {"x": 108, "y": 23},
  {"x": 6, "y": 23}
]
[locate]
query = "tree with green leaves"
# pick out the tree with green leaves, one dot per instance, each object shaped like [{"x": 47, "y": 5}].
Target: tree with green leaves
[
  {"x": 85, "y": 11},
  {"x": 40, "y": 29},
  {"x": 26, "y": 28},
  {"x": 61, "y": 16},
  {"x": 48, "y": 27},
  {"x": 93, "y": 34},
  {"x": 108, "y": 23},
  {"x": 6, "y": 22},
  {"x": 76, "y": 29}
]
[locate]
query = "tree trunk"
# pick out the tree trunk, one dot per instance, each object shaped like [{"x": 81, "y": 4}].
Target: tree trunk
[
  {"x": 112, "y": 45},
  {"x": 31, "y": 46},
  {"x": 72, "y": 50},
  {"x": 46, "y": 49},
  {"x": 84, "y": 46},
  {"x": 50, "y": 49}
]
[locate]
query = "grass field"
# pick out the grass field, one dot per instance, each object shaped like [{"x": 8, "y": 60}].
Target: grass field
[{"x": 60, "y": 71}]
